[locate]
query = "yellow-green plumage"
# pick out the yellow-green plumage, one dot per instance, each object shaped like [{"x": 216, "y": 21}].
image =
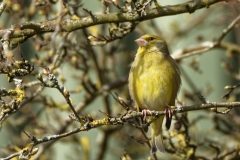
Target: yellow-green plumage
[{"x": 154, "y": 81}]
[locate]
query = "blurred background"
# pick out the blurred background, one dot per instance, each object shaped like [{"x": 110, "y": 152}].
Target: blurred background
[{"x": 91, "y": 72}]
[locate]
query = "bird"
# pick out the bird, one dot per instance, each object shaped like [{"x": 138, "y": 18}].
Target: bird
[{"x": 154, "y": 81}]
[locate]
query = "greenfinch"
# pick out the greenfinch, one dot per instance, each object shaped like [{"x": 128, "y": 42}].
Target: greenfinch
[{"x": 154, "y": 81}]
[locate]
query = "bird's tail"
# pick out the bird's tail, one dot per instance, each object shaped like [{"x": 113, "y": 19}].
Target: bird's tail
[{"x": 157, "y": 142}]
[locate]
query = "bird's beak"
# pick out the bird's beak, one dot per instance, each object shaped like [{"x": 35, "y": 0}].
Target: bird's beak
[{"x": 141, "y": 42}]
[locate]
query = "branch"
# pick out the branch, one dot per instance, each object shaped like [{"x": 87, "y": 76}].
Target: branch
[
  {"x": 2, "y": 6},
  {"x": 30, "y": 29},
  {"x": 229, "y": 27},
  {"x": 208, "y": 45},
  {"x": 55, "y": 84},
  {"x": 81, "y": 105},
  {"x": 129, "y": 117},
  {"x": 230, "y": 88},
  {"x": 5, "y": 115}
]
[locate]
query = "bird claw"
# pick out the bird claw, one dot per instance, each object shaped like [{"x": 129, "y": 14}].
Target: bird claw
[
  {"x": 145, "y": 112},
  {"x": 168, "y": 113}
]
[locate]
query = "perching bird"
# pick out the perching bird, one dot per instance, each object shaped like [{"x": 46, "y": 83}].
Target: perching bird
[{"x": 154, "y": 81}]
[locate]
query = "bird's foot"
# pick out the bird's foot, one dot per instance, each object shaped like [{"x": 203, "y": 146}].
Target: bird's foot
[
  {"x": 168, "y": 113},
  {"x": 145, "y": 112}
]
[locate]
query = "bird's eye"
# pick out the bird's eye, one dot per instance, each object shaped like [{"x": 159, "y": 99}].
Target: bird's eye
[{"x": 150, "y": 38}]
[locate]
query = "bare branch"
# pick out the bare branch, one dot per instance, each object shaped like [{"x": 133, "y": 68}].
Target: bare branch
[
  {"x": 2, "y": 6},
  {"x": 205, "y": 46},
  {"x": 229, "y": 27},
  {"x": 32, "y": 28},
  {"x": 126, "y": 118}
]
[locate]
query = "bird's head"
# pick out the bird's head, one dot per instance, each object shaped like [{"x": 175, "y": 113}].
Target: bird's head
[{"x": 152, "y": 43}]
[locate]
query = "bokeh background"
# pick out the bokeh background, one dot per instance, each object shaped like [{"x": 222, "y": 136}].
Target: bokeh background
[{"x": 92, "y": 73}]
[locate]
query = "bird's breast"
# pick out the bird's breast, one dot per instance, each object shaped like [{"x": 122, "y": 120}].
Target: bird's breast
[{"x": 153, "y": 81}]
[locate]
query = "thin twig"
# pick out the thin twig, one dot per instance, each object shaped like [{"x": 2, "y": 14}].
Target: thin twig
[
  {"x": 129, "y": 117},
  {"x": 34, "y": 28},
  {"x": 205, "y": 46},
  {"x": 229, "y": 27},
  {"x": 231, "y": 88}
]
